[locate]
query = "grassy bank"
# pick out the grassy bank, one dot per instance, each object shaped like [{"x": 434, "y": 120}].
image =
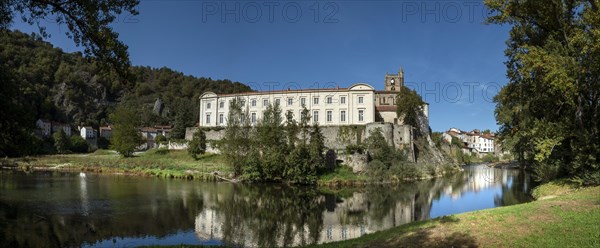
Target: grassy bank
[
  {"x": 159, "y": 163},
  {"x": 563, "y": 217}
]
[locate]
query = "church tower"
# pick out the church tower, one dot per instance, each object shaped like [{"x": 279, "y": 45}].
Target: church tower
[{"x": 394, "y": 82}]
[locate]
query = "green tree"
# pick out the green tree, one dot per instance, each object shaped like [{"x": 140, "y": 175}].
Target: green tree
[
  {"x": 184, "y": 117},
  {"x": 409, "y": 106},
  {"x": 125, "y": 135},
  {"x": 378, "y": 147},
  {"x": 316, "y": 148},
  {"x": 549, "y": 110},
  {"x": 197, "y": 145},
  {"x": 61, "y": 142},
  {"x": 88, "y": 23},
  {"x": 235, "y": 144},
  {"x": 270, "y": 141}
]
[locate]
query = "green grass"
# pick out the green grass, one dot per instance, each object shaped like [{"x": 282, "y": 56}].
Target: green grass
[
  {"x": 568, "y": 220},
  {"x": 155, "y": 162},
  {"x": 341, "y": 175}
]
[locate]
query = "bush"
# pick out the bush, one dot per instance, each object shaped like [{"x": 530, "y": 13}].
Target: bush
[
  {"x": 352, "y": 149},
  {"x": 160, "y": 139},
  {"x": 377, "y": 170},
  {"x": 490, "y": 158},
  {"x": 78, "y": 144},
  {"x": 103, "y": 143}
]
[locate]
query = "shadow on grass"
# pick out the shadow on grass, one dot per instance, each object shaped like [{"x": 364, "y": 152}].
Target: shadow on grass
[{"x": 432, "y": 237}]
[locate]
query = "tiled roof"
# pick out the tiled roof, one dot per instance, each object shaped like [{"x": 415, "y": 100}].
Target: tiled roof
[
  {"x": 386, "y": 108},
  {"x": 283, "y": 91}
]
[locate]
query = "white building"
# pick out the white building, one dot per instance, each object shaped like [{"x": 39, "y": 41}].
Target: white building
[
  {"x": 358, "y": 104},
  {"x": 87, "y": 132},
  {"x": 335, "y": 106}
]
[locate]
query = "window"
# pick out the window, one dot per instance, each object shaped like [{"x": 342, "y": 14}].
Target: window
[
  {"x": 315, "y": 100},
  {"x": 329, "y": 116},
  {"x": 278, "y": 102},
  {"x": 265, "y": 102},
  {"x": 303, "y": 101},
  {"x": 290, "y": 101},
  {"x": 253, "y": 102},
  {"x": 342, "y": 99},
  {"x": 243, "y": 103},
  {"x": 242, "y": 117},
  {"x": 221, "y": 118},
  {"x": 360, "y": 99},
  {"x": 289, "y": 115},
  {"x": 361, "y": 115},
  {"x": 343, "y": 116},
  {"x": 208, "y": 105},
  {"x": 221, "y": 104},
  {"x": 329, "y": 100},
  {"x": 315, "y": 116},
  {"x": 253, "y": 118},
  {"x": 207, "y": 118}
]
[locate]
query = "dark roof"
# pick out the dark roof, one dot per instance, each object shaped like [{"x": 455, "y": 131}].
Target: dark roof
[{"x": 386, "y": 108}]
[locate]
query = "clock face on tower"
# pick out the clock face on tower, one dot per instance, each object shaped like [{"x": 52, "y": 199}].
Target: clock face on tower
[{"x": 392, "y": 81}]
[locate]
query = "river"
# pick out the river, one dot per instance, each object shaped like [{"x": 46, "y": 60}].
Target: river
[{"x": 54, "y": 209}]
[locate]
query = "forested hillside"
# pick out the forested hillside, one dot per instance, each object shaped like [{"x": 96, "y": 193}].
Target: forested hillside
[{"x": 41, "y": 81}]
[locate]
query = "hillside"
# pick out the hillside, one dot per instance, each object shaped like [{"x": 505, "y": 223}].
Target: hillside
[{"x": 41, "y": 81}]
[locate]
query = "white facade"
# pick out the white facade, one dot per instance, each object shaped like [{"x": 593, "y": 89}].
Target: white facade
[
  {"x": 87, "y": 132},
  {"x": 329, "y": 107},
  {"x": 483, "y": 144}
]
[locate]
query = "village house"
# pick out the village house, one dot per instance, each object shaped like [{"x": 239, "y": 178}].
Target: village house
[
  {"x": 474, "y": 141},
  {"x": 87, "y": 132},
  {"x": 149, "y": 134},
  {"x": 46, "y": 128},
  {"x": 358, "y": 104},
  {"x": 105, "y": 131}
]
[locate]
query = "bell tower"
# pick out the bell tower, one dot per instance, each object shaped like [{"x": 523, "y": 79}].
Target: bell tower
[{"x": 394, "y": 82}]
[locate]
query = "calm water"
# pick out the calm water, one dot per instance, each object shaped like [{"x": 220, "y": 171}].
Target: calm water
[{"x": 68, "y": 210}]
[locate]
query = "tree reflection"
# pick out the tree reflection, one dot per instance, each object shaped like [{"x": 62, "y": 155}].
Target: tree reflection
[{"x": 63, "y": 210}]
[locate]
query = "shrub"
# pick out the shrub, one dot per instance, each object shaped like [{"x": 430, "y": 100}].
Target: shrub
[
  {"x": 377, "y": 170},
  {"x": 352, "y": 149},
  {"x": 160, "y": 139},
  {"x": 78, "y": 144}
]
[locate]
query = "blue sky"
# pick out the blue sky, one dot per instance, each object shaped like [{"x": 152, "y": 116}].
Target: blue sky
[{"x": 448, "y": 54}]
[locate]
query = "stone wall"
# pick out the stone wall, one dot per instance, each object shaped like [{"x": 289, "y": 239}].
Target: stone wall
[{"x": 338, "y": 137}]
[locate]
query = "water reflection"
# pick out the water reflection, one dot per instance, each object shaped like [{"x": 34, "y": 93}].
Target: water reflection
[{"x": 63, "y": 210}]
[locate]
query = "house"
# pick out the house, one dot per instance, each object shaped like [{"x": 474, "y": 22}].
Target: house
[
  {"x": 44, "y": 127},
  {"x": 358, "y": 104},
  {"x": 87, "y": 132},
  {"x": 150, "y": 133},
  {"x": 57, "y": 126},
  {"x": 105, "y": 131},
  {"x": 474, "y": 141}
]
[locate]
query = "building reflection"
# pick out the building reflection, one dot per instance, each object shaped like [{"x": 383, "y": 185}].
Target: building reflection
[{"x": 366, "y": 210}]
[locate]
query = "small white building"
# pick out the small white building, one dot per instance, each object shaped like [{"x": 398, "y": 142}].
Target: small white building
[{"x": 87, "y": 132}]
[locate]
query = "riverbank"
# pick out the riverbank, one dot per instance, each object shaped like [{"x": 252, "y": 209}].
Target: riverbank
[
  {"x": 563, "y": 216},
  {"x": 153, "y": 163},
  {"x": 178, "y": 164}
]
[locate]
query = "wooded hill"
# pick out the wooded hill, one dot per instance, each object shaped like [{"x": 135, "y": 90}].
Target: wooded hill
[{"x": 41, "y": 81}]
